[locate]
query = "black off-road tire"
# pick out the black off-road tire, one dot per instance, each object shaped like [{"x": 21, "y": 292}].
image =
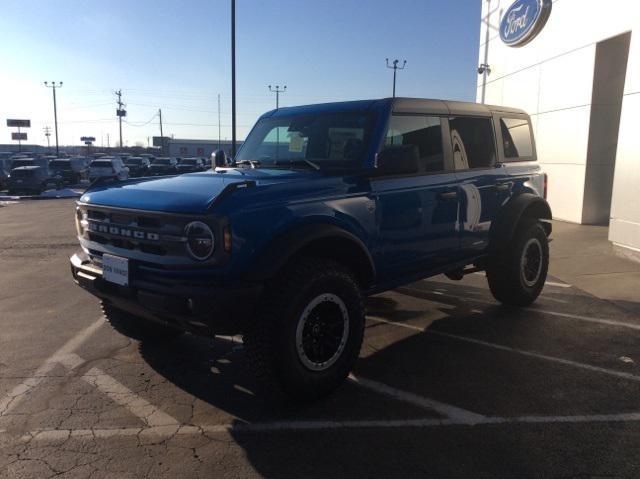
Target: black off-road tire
[
  {"x": 137, "y": 328},
  {"x": 511, "y": 281},
  {"x": 271, "y": 342}
]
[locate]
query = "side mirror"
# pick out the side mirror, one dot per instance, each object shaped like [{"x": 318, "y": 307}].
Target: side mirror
[
  {"x": 398, "y": 160},
  {"x": 219, "y": 158}
]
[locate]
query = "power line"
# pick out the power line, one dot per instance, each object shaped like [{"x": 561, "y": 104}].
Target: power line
[{"x": 142, "y": 124}]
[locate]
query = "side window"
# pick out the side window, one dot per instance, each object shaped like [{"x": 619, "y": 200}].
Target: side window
[
  {"x": 516, "y": 138},
  {"x": 473, "y": 142},
  {"x": 425, "y": 132}
]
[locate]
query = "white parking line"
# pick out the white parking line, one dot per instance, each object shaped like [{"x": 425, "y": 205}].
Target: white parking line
[
  {"x": 609, "y": 322},
  {"x": 18, "y": 393},
  {"x": 120, "y": 394},
  {"x": 548, "y": 283},
  {"x": 451, "y": 412},
  {"x": 567, "y": 362},
  {"x": 284, "y": 426},
  {"x": 559, "y": 285}
]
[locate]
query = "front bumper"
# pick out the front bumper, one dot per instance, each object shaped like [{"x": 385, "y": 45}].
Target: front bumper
[{"x": 201, "y": 307}]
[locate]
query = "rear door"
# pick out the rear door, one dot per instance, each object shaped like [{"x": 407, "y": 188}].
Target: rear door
[
  {"x": 416, "y": 214},
  {"x": 484, "y": 183}
]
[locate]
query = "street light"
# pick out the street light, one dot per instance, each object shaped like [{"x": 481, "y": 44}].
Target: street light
[
  {"x": 54, "y": 86},
  {"x": 394, "y": 66}
]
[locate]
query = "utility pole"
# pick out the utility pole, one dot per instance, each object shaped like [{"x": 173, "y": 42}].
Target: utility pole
[
  {"x": 277, "y": 90},
  {"x": 120, "y": 112},
  {"x": 219, "y": 122},
  {"x": 108, "y": 143},
  {"x": 161, "y": 135},
  {"x": 53, "y": 86},
  {"x": 47, "y": 133},
  {"x": 394, "y": 66},
  {"x": 233, "y": 79}
]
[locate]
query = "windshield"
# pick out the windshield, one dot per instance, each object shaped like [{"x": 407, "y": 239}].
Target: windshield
[
  {"x": 133, "y": 161},
  {"x": 326, "y": 139},
  {"x": 162, "y": 161},
  {"x": 101, "y": 164},
  {"x": 60, "y": 165}
]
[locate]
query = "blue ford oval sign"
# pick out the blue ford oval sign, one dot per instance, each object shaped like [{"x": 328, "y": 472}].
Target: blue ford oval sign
[{"x": 523, "y": 21}]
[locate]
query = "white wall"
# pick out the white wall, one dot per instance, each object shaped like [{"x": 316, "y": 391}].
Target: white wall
[{"x": 552, "y": 79}]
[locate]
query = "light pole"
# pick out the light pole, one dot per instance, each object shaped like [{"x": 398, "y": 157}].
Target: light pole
[
  {"x": 53, "y": 86},
  {"x": 394, "y": 66},
  {"x": 233, "y": 79},
  {"x": 277, "y": 90}
]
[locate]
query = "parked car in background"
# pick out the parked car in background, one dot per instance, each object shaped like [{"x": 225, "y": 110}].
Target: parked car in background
[
  {"x": 71, "y": 170},
  {"x": 108, "y": 168},
  {"x": 31, "y": 180},
  {"x": 138, "y": 166},
  {"x": 4, "y": 173},
  {"x": 190, "y": 165},
  {"x": 164, "y": 166},
  {"x": 20, "y": 162}
]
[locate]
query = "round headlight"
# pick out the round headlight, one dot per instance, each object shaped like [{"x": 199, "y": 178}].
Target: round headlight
[{"x": 200, "y": 240}]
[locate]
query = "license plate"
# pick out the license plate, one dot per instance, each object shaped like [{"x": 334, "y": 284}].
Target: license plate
[
  {"x": 115, "y": 269},
  {"x": 18, "y": 181}
]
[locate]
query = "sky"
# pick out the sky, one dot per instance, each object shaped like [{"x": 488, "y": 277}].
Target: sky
[{"x": 175, "y": 55}]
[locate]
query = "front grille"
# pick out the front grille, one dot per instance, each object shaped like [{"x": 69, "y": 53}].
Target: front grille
[{"x": 151, "y": 234}]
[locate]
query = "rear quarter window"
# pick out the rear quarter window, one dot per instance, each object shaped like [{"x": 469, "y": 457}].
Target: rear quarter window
[{"x": 516, "y": 139}]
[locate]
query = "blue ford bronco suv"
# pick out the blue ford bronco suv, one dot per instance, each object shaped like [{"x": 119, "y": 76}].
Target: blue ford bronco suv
[{"x": 322, "y": 206}]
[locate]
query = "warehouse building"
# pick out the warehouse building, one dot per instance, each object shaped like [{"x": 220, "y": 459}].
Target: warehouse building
[
  {"x": 574, "y": 66},
  {"x": 197, "y": 148}
]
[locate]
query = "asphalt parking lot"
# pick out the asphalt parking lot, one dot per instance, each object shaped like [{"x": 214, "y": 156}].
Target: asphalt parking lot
[{"x": 449, "y": 384}]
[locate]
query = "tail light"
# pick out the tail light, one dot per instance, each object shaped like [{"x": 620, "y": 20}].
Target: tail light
[{"x": 545, "y": 185}]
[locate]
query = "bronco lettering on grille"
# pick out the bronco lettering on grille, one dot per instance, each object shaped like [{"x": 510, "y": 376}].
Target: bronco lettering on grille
[{"x": 124, "y": 232}]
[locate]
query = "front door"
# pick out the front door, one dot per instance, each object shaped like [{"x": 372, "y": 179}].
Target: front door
[{"x": 416, "y": 214}]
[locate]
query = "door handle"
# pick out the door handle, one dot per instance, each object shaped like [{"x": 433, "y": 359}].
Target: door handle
[
  {"x": 448, "y": 195},
  {"x": 502, "y": 187}
]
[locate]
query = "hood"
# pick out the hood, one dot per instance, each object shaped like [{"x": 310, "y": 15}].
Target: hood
[{"x": 191, "y": 193}]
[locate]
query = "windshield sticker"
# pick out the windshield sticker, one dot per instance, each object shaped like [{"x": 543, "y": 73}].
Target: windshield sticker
[{"x": 296, "y": 143}]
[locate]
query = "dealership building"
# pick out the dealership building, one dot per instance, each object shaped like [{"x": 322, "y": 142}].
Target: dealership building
[{"x": 574, "y": 66}]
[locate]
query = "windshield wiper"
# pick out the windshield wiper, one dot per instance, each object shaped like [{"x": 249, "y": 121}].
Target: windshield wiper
[
  {"x": 298, "y": 161},
  {"x": 252, "y": 163}
]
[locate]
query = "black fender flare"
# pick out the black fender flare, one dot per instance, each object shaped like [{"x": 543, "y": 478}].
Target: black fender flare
[
  {"x": 524, "y": 205},
  {"x": 293, "y": 241}
]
